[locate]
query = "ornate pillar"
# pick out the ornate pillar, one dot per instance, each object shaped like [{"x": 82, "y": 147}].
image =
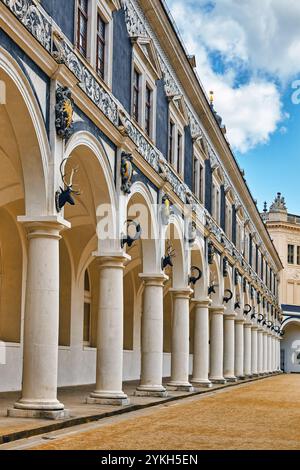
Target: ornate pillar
[
  {"x": 265, "y": 345},
  {"x": 247, "y": 349},
  {"x": 269, "y": 346},
  {"x": 260, "y": 351},
  {"x": 216, "y": 344},
  {"x": 229, "y": 348},
  {"x": 254, "y": 347},
  {"x": 40, "y": 357},
  {"x": 201, "y": 343},
  {"x": 239, "y": 349},
  {"x": 152, "y": 336},
  {"x": 109, "y": 367},
  {"x": 180, "y": 340}
]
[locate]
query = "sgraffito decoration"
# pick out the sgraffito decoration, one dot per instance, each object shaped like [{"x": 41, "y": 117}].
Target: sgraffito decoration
[
  {"x": 126, "y": 172},
  {"x": 64, "y": 112}
]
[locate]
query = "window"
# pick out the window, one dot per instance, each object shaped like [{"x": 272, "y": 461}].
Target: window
[
  {"x": 82, "y": 31},
  {"x": 87, "y": 310},
  {"x": 136, "y": 95},
  {"x": 171, "y": 140},
  {"x": 148, "y": 111},
  {"x": 298, "y": 255},
  {"x": 201, "y": 183},
  {"x": 101, "y": 33},
  {"x": 179, "y": 152},
  {"x": 217, "y": 214},
  {"x": 291, "y": 254}
]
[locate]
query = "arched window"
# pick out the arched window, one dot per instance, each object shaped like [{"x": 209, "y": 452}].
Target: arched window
[{"x": 87, "y": 310}]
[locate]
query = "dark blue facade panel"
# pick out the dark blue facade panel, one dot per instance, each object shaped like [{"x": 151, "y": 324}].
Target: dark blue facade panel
[
  {"x": 208, "y": 186},
  {"x": 188, "y": 157},
  {"x": 63, "y": 13},
  {"x": 162, "y": 118},
  {"x": 22, "y": 58},
  {"x": 122, "y": 61},
  {"x": 223, "y": 207}
]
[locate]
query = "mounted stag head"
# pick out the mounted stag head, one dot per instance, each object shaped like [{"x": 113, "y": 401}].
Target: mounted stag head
[
  {"x": 64, "y": 196},
  {"x": 269, "y": 324},
  {"x": 237, "y": 304},
  {"x": 196, "y": 274},
  {"x": 253, "y": 316},
  {"x": 167, "y": 260},
  {"x": 260, "y": 318},
  {"x": 229, "y": 297},
  {"x": 128, "y": 239},
  {"x": 247, "y": 309}
]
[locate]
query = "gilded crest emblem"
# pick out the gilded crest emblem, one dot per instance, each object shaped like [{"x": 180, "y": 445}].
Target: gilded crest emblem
[{"x": 64, "y": 110}]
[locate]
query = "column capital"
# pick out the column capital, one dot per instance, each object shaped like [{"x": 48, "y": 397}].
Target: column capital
[
  {"x": 202, "y": 303},
  {"x": 229, "y": 316},
  {"x": 112, "y": 259},
  {"x": 254, "y": 327},
  {"x": 183, "y": 293},
  {"x": 247, "y": 324},
  {"x": 150, "y": 279},
  {"x": 48, "y": 226},
  {"x": 239, "y": 321},
  {"x": 220, "y": 309}
]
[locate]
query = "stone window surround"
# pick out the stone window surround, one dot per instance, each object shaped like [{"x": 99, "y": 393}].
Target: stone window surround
[
  {"x": 106, "y": 10},
  {"x": 198, "y": 155},
  {"x": 147, "y": 79},
  {"x": 179, "y": 122}
]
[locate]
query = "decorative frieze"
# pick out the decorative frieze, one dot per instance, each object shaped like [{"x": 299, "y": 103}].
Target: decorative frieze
[{"x": 33, "y": 19}]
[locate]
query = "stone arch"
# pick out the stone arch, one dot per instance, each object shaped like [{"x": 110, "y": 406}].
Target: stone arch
[
  {"x": 228, "y": 284},
  {"x": 25, "y": 151},
  {"x": 198, "y": 259},
  {"x": 290, "y": 345}
]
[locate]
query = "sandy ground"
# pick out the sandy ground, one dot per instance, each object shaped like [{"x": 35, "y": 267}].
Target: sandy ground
[{"x": 261, "y": 415}]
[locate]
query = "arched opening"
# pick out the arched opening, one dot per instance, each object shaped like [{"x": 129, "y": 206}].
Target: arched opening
[{"x": 290, "y": 346}]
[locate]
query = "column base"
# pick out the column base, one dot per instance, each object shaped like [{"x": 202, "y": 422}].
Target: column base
[
  {"x": 180, "y": 387},
  {"x": 218, "y": 380},
  {"x": 108, "y": 398},
  {"x": 255, "y": 375},
  {"x": 202, "y": 383},
  {"x": 148, "y": 391},
  {"x": 240, "y": 377},
  {"x": 38, "y": 414},
  {"x": 230, "y": 378}
]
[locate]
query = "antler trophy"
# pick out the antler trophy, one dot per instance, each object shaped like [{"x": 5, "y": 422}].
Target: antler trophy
[
  {"x": 64, "y": 196},
  {"x": 167, "y": 260}
]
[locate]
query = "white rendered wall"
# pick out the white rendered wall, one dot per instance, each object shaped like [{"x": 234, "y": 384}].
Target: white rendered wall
[{"x": 291, "y": 346}]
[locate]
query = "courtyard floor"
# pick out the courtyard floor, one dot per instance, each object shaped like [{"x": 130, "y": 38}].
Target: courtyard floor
[{"x": 263, "y": 414}]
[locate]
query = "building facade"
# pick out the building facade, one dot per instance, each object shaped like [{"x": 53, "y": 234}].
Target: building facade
[
  {"x": 130, "y": 245},
  {"x": 284, "y": 229}
]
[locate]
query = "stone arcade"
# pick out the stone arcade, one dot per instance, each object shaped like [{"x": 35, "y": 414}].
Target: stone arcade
[{"x": 84, "y": 297}]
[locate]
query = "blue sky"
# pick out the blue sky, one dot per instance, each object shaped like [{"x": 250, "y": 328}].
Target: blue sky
[{"x": 251, "y": 61}]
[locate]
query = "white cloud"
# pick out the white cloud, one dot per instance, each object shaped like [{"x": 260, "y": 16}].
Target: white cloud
[{"x": 259, "y": 38}]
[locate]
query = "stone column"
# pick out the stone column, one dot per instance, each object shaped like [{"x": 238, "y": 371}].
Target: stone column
[
  {"x": 254, "y": 347},
  {"x": 229, "y": 341},
  {"x": 152, "y": 336},
  {"x": 109, "y": 368},
  {"x": 180, "y": 340},
  {"x": 239, "y": 349},
  {"x": 40, "y": 356},
  {"x": 265, "y": 345},
  {"x": 269, "y": 346},
  {"x": 216, "y": 345},
  {"x": 260, "y": 351},
  {"x": 274, "y": 356},
  {"x": 201, "y": 344},
  {"x": 247, "y": 349}
]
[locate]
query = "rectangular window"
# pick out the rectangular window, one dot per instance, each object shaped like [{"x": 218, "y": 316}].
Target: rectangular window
[
  {"x": 101, "y": 32},
  {"x": 179, "y": 146},
  {"x": 148, "y": 112},
  {"x": 201, "y": 183},
  {"x": 218, "y": 206},
  {"x": 298, "y": 255},
  {"x": 195, "y": 175},
  {"x": 290, "y": 254},
  {"x": 82, "y": 26},
  {"x": 136, "y": 95},
  {"x": 213, "y": 200},
  {"x": 171, "y": 141}
]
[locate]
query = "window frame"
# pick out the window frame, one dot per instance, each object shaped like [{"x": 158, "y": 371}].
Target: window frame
[
  {"x": 291, "y": 256},
  {"x": 85, "y": 14}
]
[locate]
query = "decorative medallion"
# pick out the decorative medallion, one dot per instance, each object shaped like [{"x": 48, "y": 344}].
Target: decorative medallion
[
  {"x": 126, "y": 172},
  {"x": 64, "y": 112}
]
